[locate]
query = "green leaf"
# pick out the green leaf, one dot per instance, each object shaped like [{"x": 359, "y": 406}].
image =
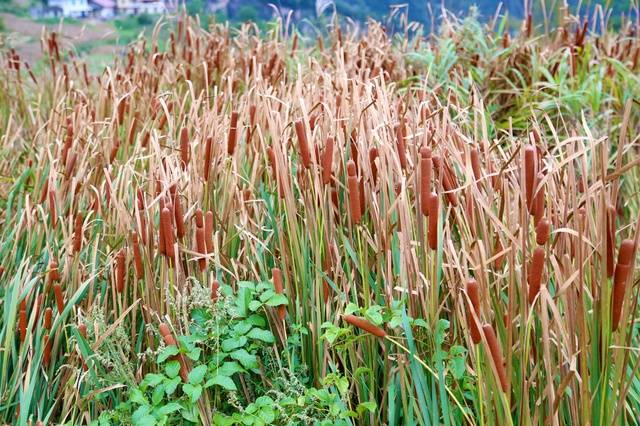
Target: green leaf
[
  {"x": 351, "y": 308},
  {"x": 222, "y": 381},
  {"x": 254, "y": 305},
  {"x": 267, "y": 295},
  {"x": 242, "y": 327},
  {"x": 366, "y": 406},
  {"x": 167, "y": 353},
  {"x": 229, "y": 368},
  {"x": 152, "y": 379},
  {"x": 171, "y": 385},
  {"x": 233, "y": 343},
  {"x": 197, "y": 374},
  {"x": 169, "y": 408},
  {"x": 194, "y": 354},
  {"x": 192, "y": 391},
  {"x": 260, "y": 334},
  {"x": 256, "y": 320},
  {"x": 277, "y": 300},
  {"x": 136, "y": 396},
  {"x": 457, "y": 355},
  {"x": 141, "y": 417},
  {"x": 172, "y": 368},
  {"x": 158, "y": 394},
  {"x": 222, "y": 420},
  {"x": 245, "y": 358},
  {"x": 374, "y": 315}
]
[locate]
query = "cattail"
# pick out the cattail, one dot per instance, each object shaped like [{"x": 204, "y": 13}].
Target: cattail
[
  {"x": 611, "y": 238},
  {"x": 208, "y": 231},
  {"x": 496, "y": 354},
  {"x": 46, "y": 353},
  {"x": 141, "y": 217},
  {"x": 373, "y": 155},
  {"x": 354, "y": 192},
  {"x": 52, "y": 208},
  {"x": 327, "y": 158},
  {"x": 364, "y": 325},
  {"x": 169, "y": 340},
  {"x": 425, "y": 179},
  {"x": 303, "y": 144},
  {"x": 201, "y": 247},
  {"x": 120, "y": 271},
  {"x": 121, "y": 108},
  {"x": 45, "y": 191},
  {"x": 77, "y": 235},
  {"x": 48, "y": 313},
  {"x": 529, "y": 174},
  {"x": 276, "y": 275},
  {"x": 233, "y": 129},
  {"x": 623, "y": 267},
  {"x": 475, "y": 163},
  {"x": 447, "y": 179},
  {"x": 542, "y": 231},
  {"x": 82, "y": 329},
  {"x": 22, "y": 320},
  {"x": 207, "y": 158},
  {"x": 535, "y": 273},
  {"x": 177, "y": 212},
  {"x": 432, "y": 232},
  {"x": 473, "y": 292},
  {"x": 215, "y": 287},
  {"x": 57, "y": 290},
  {"x": 400, "y": 135},
  {"x": 538, "y": 201},
  {"x": 137, "y": 256},
  {"x": 166, "y": 224},
  {"x": 184, "y": 147},
  {"x": 53, "y": 275}
]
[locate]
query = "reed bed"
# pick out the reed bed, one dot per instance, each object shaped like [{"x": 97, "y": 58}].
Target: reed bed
[{"x": 452, "y": 219}]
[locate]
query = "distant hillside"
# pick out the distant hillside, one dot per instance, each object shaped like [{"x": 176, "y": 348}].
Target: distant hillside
[{"x": 419, "y": 10}]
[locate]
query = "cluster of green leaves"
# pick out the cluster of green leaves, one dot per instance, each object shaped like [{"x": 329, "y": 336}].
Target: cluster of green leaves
[{"x": 225, "y": 346}]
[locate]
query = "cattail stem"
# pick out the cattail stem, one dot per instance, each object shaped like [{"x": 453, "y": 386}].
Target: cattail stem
[
  {"x": 137, "y": 256},
  {"x": 611, "y": 239},
  {"x": 364, "y": 325},
  {"x": 530, "y": 174}
]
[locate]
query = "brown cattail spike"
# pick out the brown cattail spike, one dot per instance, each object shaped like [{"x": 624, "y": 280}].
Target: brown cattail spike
[
  {"x": 364, "y": 325},
  {"x": 120, "y": 271},
  {"x": 425, "y": 179},
  {"x": 535, "y": 273},
  {"x": 529, "y": 174},
  {"x": 354, "y": 192},
  {"x": 623, "y": 268},
  {"x": 496, "y": 354},
  {"x": 276, "y": 274},
  {"x": 184, "y": 147},
  {"x": 215, "y": 288},
  {"x": 22, "y": 320},
  {"x": 208, "y": 231},
  {"x": 305, "y": 154},
  {"x": 542, "y": 231},
  {"x": 327, "y": 158},
  {"x": 233, "y": 130},
  {"x": 473, "y": 292},
  {"x": 137, "y": 255},
  {"x": 432, "y": 231},
  {"x": 57, "y": 290},
  {"x": 77, "y": 233},
  {"x": 166, "y": 222},
  {"x": 169, "y": 340}
]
